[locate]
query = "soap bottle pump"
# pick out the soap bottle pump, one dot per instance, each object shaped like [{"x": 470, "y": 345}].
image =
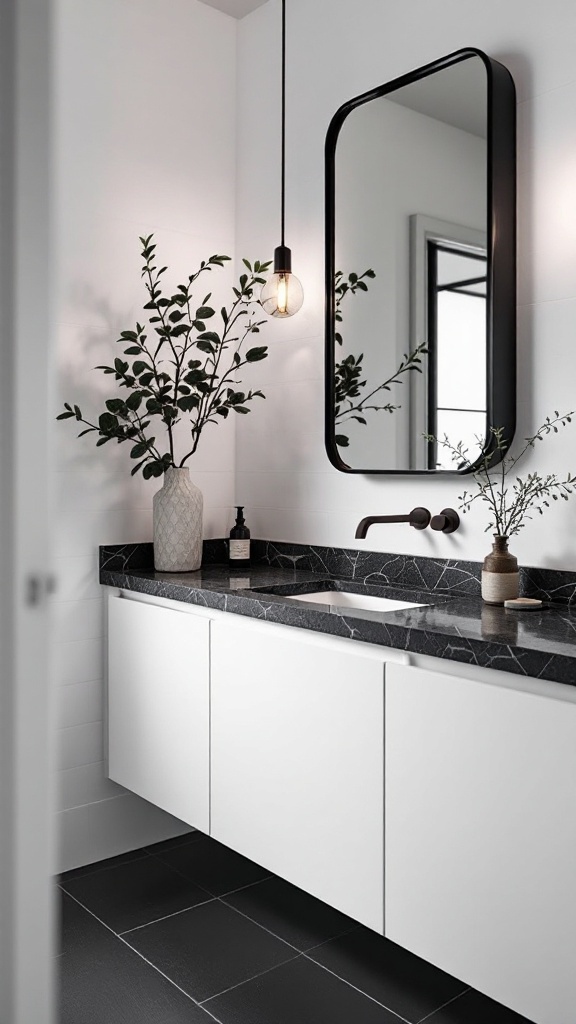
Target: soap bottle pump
[{"x": 239, "y": 544}]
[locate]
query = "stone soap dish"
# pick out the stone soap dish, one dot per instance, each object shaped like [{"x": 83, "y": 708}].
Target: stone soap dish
[{"x": 524, "y": 604}]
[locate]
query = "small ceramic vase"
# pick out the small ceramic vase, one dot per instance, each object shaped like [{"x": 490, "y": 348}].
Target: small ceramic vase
[
  {"x": 177, "y": 519},
  {"x": 500, "y": 576}
]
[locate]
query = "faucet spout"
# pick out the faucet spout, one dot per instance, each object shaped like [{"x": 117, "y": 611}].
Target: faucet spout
[{"x": 419, "y": 518}]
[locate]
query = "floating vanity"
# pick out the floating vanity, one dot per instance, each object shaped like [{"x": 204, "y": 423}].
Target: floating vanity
[{"x": 415, "y": 767}]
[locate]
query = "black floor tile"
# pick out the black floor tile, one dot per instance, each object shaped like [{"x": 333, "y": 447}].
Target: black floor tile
[
  {"x": 102, "y": 865},
  {"x": 135, "y": 893},
  {"x": 209, "y": 949},
  {"x": 102, "y": 981},
  {"x": 299, "y": 992},
  {"x": 290, "y": 913},
  {"x": 213, "y": 866},
  {"x": 78, "y": 930},
  {"x": 474, "y": 1008},
  {"x": 404, "y": 983}
]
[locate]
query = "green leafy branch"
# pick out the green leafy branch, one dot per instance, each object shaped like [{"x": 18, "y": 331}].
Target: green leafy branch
[
  {"x": 510, "y": 503},
  {"x": 350, "y": 402},
  {"x": 181, "y": 365}
]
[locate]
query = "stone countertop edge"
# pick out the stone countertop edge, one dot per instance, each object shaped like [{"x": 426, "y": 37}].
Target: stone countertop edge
[{"x": 540, "y": 645}]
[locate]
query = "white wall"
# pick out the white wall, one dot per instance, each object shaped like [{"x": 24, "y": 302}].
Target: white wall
[
  {"x": 336, "y": 50},
  {"x": 145, "y": 143},
  {"x": 439, "y": 171}
]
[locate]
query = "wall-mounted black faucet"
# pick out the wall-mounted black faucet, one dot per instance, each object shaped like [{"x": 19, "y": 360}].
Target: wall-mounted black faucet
[
  {"x": 448, "y": 521},
  {"x": 419, "y": 518}
]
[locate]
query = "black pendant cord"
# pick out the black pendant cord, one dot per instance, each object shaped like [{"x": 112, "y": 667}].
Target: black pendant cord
[{"x": 283, "y": 173}]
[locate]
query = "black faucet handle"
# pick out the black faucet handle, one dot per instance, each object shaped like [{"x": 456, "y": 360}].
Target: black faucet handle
[
  {"x": 419, "y": 518},
  {"x": 447, "y": 522}
]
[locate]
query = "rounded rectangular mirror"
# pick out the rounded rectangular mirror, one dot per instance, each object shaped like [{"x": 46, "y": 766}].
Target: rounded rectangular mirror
[{"x": 420, "y": 269}]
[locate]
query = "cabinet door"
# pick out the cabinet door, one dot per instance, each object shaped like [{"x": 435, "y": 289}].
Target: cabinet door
[
  {"x": 297, "y": 761},
  {"x": 481, "y": 836},
  {"x": 158, "y": 718}
]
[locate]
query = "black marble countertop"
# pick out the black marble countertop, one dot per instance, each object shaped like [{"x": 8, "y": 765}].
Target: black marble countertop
[{"x": 540, "y": 644}]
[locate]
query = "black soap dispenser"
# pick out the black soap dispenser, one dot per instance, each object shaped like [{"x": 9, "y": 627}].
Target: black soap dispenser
[{"x": 239, "y": 544}]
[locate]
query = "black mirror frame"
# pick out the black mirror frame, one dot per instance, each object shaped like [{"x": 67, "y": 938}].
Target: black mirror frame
[{"x": 501, "y": 255}]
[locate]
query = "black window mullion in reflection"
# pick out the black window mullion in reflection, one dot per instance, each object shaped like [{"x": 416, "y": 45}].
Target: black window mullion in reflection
[
  {"x": 432, "y": 345},
  {"x": 458, "y": 286}
]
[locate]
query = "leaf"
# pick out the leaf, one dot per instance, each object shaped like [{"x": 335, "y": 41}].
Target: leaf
[
  {"x": 136, "y": 468},
  {"x": 139, "y": 366},
  {"x": 66, "y": 416},
  {"x": 205, "y": 346},
  {"x": 107, "y": 423},
  {"x": 139, "y": 449},
  {"x": 134, "y": 350},
  {"x": 209, "y": 336},
  {"x": 240, "y": 408},
  {"x": 253, "y": 355},
  {"x": 175, "y": 316},
  {"x": 116, "y": 405},
  {"x": 187, "y": 403},
  {"x": 342, "y": 441},
  {"x": 134, "y": 401},
  {"x": 204, "y": 313}
]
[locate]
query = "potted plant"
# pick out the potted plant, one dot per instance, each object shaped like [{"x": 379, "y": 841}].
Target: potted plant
[
  {"x": 180, "y": 368},
  {"x": 511, "y": 502}
]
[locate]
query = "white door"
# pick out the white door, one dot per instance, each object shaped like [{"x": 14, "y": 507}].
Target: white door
[
  {"x": 297, "y": 760},
  {"x": 481, "y": 836},
  {"x": 158, "y": 706},
  {"x": 27, "y": 806}
]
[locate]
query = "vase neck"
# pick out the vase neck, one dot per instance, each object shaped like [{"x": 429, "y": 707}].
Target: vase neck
[{"x": 500, "y": 545}]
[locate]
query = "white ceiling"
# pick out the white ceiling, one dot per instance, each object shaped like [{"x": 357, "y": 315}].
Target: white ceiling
[{"x": 237, "y": 8}]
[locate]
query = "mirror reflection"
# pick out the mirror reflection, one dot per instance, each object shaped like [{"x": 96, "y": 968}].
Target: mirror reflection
[{"x": 411, "y": 279}]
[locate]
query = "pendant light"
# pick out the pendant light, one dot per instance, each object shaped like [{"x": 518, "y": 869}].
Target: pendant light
[{"x": 282, "y": 295}]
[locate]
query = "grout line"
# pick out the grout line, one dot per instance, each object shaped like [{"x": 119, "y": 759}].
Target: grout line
[
  {"x": 158, "y": 856},
  {"x": 447, "y": 1003},
  {"x": 253, "y": 978},
  {"x": 356, "y": 989},
  {"x": 153, "y": 966},
  {"x": 166, "y": 917},
  {"x": 92, "y": 870},
  {"x": 257, "y": 923},
  {"x": 104, "y": 800},
  {"x": 338, "y": 935},
  {"x": 241, "y": 888}
]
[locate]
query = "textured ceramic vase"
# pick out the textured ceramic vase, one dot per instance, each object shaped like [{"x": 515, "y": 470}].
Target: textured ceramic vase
[
  {"x": 177, "y": 515},
  {"x": 500, "y": 576}
]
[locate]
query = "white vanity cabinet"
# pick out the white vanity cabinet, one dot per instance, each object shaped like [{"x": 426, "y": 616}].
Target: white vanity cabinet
[
  {"x": 297, "y": 722},
  {"x": 158, "y": 706},
  {"x": 480, "y": 854}
]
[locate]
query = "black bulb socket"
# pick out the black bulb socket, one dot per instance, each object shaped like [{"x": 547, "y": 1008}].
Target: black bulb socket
[{"x": 282, "y": 260}]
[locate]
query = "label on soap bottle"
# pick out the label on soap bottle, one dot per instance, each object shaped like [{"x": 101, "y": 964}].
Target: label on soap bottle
[{"x": 239, "y": 549}]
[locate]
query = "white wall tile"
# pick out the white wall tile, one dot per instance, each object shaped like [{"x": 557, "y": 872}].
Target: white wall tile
[
  {"x": 85, "y": 784},
  {"x": 99, "y": 830},
  {"x": 79, "y": 704},
  {"x": 79, "y": 662},
  {"x": 78, "y": 620},
  {"x": 80, "y": 745}
]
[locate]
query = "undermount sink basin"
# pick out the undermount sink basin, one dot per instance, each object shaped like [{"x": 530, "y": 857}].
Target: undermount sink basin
[{"x": 345, "y": 599}]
